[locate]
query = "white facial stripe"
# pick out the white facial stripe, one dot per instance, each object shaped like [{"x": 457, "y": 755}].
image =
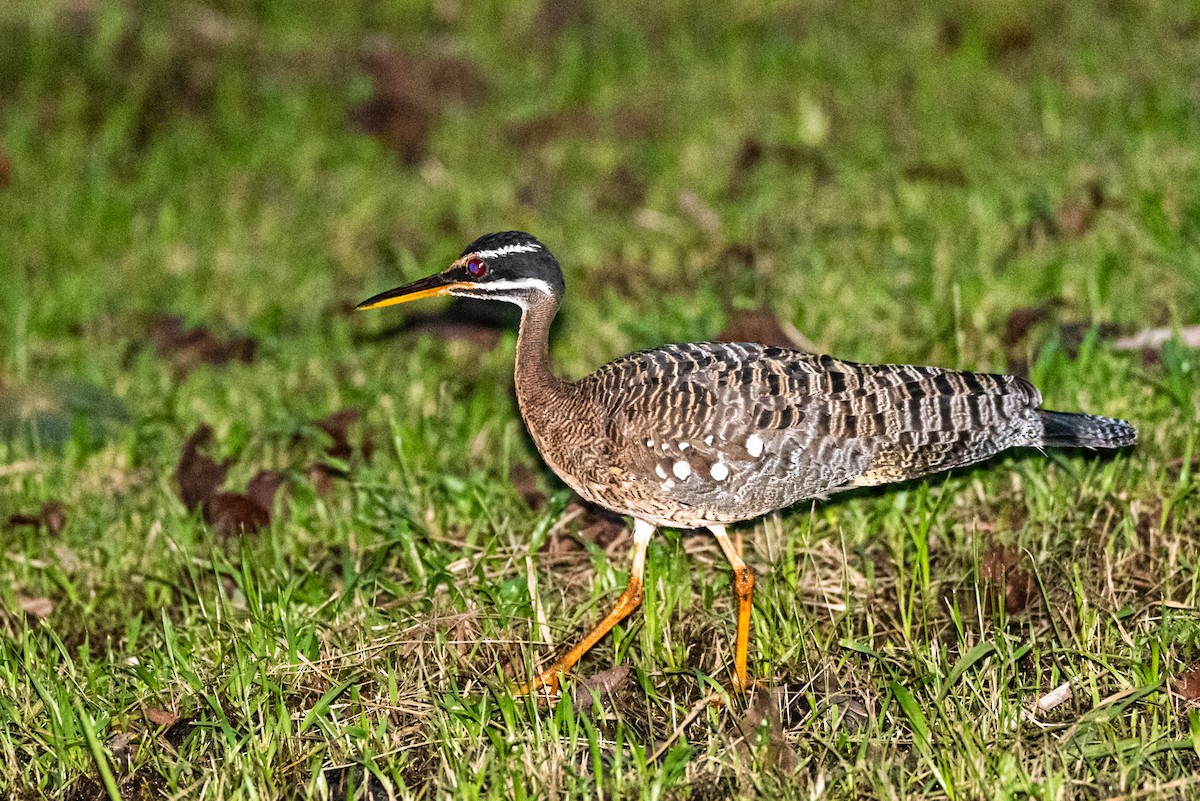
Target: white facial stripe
[
  {"x": 485, "y": 290},
  {"x": 518, "y": 283},
  {"x": 518, "y": 247}
]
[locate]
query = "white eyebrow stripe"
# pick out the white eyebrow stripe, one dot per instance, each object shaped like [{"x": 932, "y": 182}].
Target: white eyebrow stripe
[{"x": 516, "y": 247}]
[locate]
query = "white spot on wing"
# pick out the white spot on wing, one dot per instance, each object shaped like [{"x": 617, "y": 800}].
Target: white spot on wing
[
  {"x": 708, "y": 440},
  {"x": 649, "y": 443},
  {"x": 754, "y": 445},
  {"x": 681, "y": 470},
  {"x": 683, "y": 446},
  {"x": 720, "y": 471},
  {"x": 658, "y": 468}
]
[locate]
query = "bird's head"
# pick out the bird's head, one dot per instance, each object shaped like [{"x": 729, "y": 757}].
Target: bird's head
[{"x": 511, "y": 266}]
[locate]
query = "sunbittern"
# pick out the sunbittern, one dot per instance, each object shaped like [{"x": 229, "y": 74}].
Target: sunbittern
[{"x": 706, "y": 434}]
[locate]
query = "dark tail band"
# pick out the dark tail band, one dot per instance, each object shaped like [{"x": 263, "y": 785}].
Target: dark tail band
[{"x": 1070, "y": 430}]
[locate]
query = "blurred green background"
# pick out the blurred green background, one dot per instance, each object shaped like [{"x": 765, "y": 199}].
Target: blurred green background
[{"x": 194, "y": 195}]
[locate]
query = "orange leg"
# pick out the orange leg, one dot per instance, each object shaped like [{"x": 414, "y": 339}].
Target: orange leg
[
  {"x": 629, "y": 600},
  {"x": 743, "y": 585}
]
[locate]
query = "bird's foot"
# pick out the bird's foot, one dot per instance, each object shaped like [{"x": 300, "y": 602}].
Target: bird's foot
[{"x": 545, "y": 686}]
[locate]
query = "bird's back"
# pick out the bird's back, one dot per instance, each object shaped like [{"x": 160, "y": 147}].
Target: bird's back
[{"x": 718, "y": 432}]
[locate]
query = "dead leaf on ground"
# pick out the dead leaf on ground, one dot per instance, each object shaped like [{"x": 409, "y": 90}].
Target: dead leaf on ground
[
  {"x": 1021, "y": 321},
  {"x": 1009, "y": 40},
  {"x": 556, "y": 16},
  {"x": 337, "y": 427},
  {"x": 754, "y": 152},
  {"x": 187, "y": 348},
  {"x": 408, "y": 94},
  {"x": 232, "y": 513},
  {"x": 934, "y": 173},
  {"x": 51, "y": 515},
  {"x": 1017, "y": 327},
  {"x": 949, "y": 34},
  {"x": 36, "y": 608},
  {"x": 123, "y": 746},
  {"x": 322, "y": 478},
  {"x": 1076, "y": 216},
  {"x": 199, "y": 479},
  {"x": 765, "y": 328},
  {"x": 1072, "y": 335},
  {"x": 600, "y": 685},
  {"x": 629, "y": 123},
  {"x": 5, "y": 169},
  {"x": 760, "y": 726},
  {"x": 524, "y": 479},
  {"x": 600, "y": 525},
  {"x": 1187, "y": 685},
  {"x": 263, "y": 488},
  {"x": 999, "y": 568},
  {"x": 178, "y": 731},
  {"x": 624, "y": 189},
  {"x": 197, "y": 476},
  {"x": 160, "y": 717}
]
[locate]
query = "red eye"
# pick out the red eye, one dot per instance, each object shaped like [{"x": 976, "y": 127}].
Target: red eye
[{"x": 477, "y": 268}]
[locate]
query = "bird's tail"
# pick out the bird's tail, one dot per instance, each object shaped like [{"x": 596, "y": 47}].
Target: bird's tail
[{"x": 1070, "y": 430}]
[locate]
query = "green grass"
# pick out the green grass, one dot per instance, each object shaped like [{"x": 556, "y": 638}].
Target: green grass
[{"x": 919, "y": 167}]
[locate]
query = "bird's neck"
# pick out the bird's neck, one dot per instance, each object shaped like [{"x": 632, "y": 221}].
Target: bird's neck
[{"x": 534, "y": 374}]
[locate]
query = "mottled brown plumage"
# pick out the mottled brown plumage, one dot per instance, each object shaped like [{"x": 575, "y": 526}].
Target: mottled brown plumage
[{"x": 705, "y": 434}]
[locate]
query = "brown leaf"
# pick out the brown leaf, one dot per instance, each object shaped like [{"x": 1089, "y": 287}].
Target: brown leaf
[
  {"x": 188, "y": 348},
  {"x": 933, "y": 173},
  {"x": 231, "y": 513},
  {"x": 999, "y": 568},
  {"x": 763, "y": 327},
  {"x": 263, "y": 488},
  {"x": 37, "y": 608},
  {"x": 178, "y": 731},
  {"x": 794, "y": 157},
  {"x": 123, "y": 746},
  {"x": 408, "y": 93},
  {"x": 322, "y": 478},
  {"x": 1011, "y": 39},
  {"x": 1076, "y": 217},
  {"x": 525, "y": 481},
  {"x": 5, "y": 169},
  {"x": 624, "y": 189},
  {"x": 949, "y": 34},
  {"x": 602, "y": 685},
  {"x": 160, "y": 717},
  {"x": 556, "y": 16},
  {"x": 601, "y": 526},
  {"x": 337, "y": 427},
  {"x": 198, "y": 476},
  {"x": 1072, "y": 335},
  {"x": 1021, "y": 320},
  {"x": 51, "y": 516},
  {"x": 400, "y": 111},
  {"x": 761, "y": 725},
  {"x": 552, "y": 127},
  {"x": 1187, "y": 685},
  {"x": 456, "y": 78}
]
